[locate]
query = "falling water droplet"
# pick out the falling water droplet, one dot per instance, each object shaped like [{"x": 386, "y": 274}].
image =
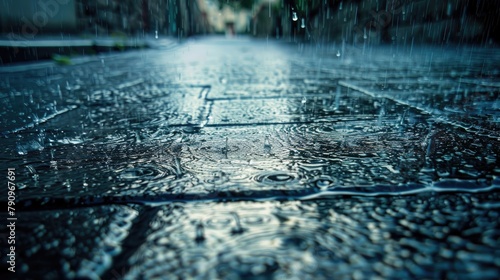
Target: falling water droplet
[
  {"x": 429, "y": 145},
  {"x": 59, "y": 93},
  {"x": 267, "y": 145},
  {"x": 31, "y": 98},
  {"x": 156, "y": 34},
  {"x": 338, "y": 53},
  {"x": 294, "y": 16},
  {"x": 303, "y": 24},
  {"x": 178, "y": 169},
  {"x": 380, "y": 116},
  {"x": 85, "y": 178},
  {"x": 200, "y": 235},
  {"x": 449, "y": 9},
  {"x": 337, "y": 99},
  {"x": 401, "y": 122},
  {"x": 226, "y": 148}
]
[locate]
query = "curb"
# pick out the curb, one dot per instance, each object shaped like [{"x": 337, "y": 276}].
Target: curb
[{"x": 15, "y": 51}]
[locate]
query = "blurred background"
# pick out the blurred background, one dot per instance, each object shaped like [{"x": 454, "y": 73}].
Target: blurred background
[{"x": 317, "y": 21}]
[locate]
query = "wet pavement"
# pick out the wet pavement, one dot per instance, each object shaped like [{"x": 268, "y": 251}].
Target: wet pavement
[{"x": 240, "y": 158}]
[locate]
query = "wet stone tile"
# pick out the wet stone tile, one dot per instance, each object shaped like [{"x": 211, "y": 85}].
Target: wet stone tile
[
  {"x": 257, "y": 160},
  {"x": 466, "y": 106},
  {"x": 303, "y": 239},
  {"x": 70, "y": 243}
]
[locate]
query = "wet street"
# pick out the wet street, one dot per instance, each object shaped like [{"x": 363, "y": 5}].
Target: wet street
[{"x": 254, "y": 159}]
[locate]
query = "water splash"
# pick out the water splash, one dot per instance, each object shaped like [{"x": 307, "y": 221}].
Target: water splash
[
  {"x": 277, "y": 178},
  {"x": 238, "y": 228}
]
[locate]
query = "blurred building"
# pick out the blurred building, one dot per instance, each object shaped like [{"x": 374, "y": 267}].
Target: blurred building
[
  {"x": 386, "y": 21},
  {"x": 351, "y": 21},
  {"x": 169, "y": 17},
  {"x": 27, "y": 18},
  {"x": 225, "y": 18}
]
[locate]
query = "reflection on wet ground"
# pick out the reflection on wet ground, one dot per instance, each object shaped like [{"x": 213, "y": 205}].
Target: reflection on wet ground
[{"x": 238, "y": 158}]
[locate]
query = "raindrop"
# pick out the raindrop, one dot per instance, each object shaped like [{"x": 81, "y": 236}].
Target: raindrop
[
  {"x": 178, "y": 169},
  {"x": 200, "y": 235},
  {"x": 59, "y": 93},
  {"x": 294, "y": 16},
  {"x": 31, "y": 98},
  {"x": 429, "y": 145},
  {"x": 337, "y": 98},
  {"x": 85, "y": 178},
  {"x": 303, "y": 24},
  {"x": 403, "y": 117},
  {"x": 380, "y": 116},
  {"x": 338, "y": 53},
  {"x": 156, "y": 34},
  {"x": 267, "y": 145},
  {"x": 226, "y": 148}
]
